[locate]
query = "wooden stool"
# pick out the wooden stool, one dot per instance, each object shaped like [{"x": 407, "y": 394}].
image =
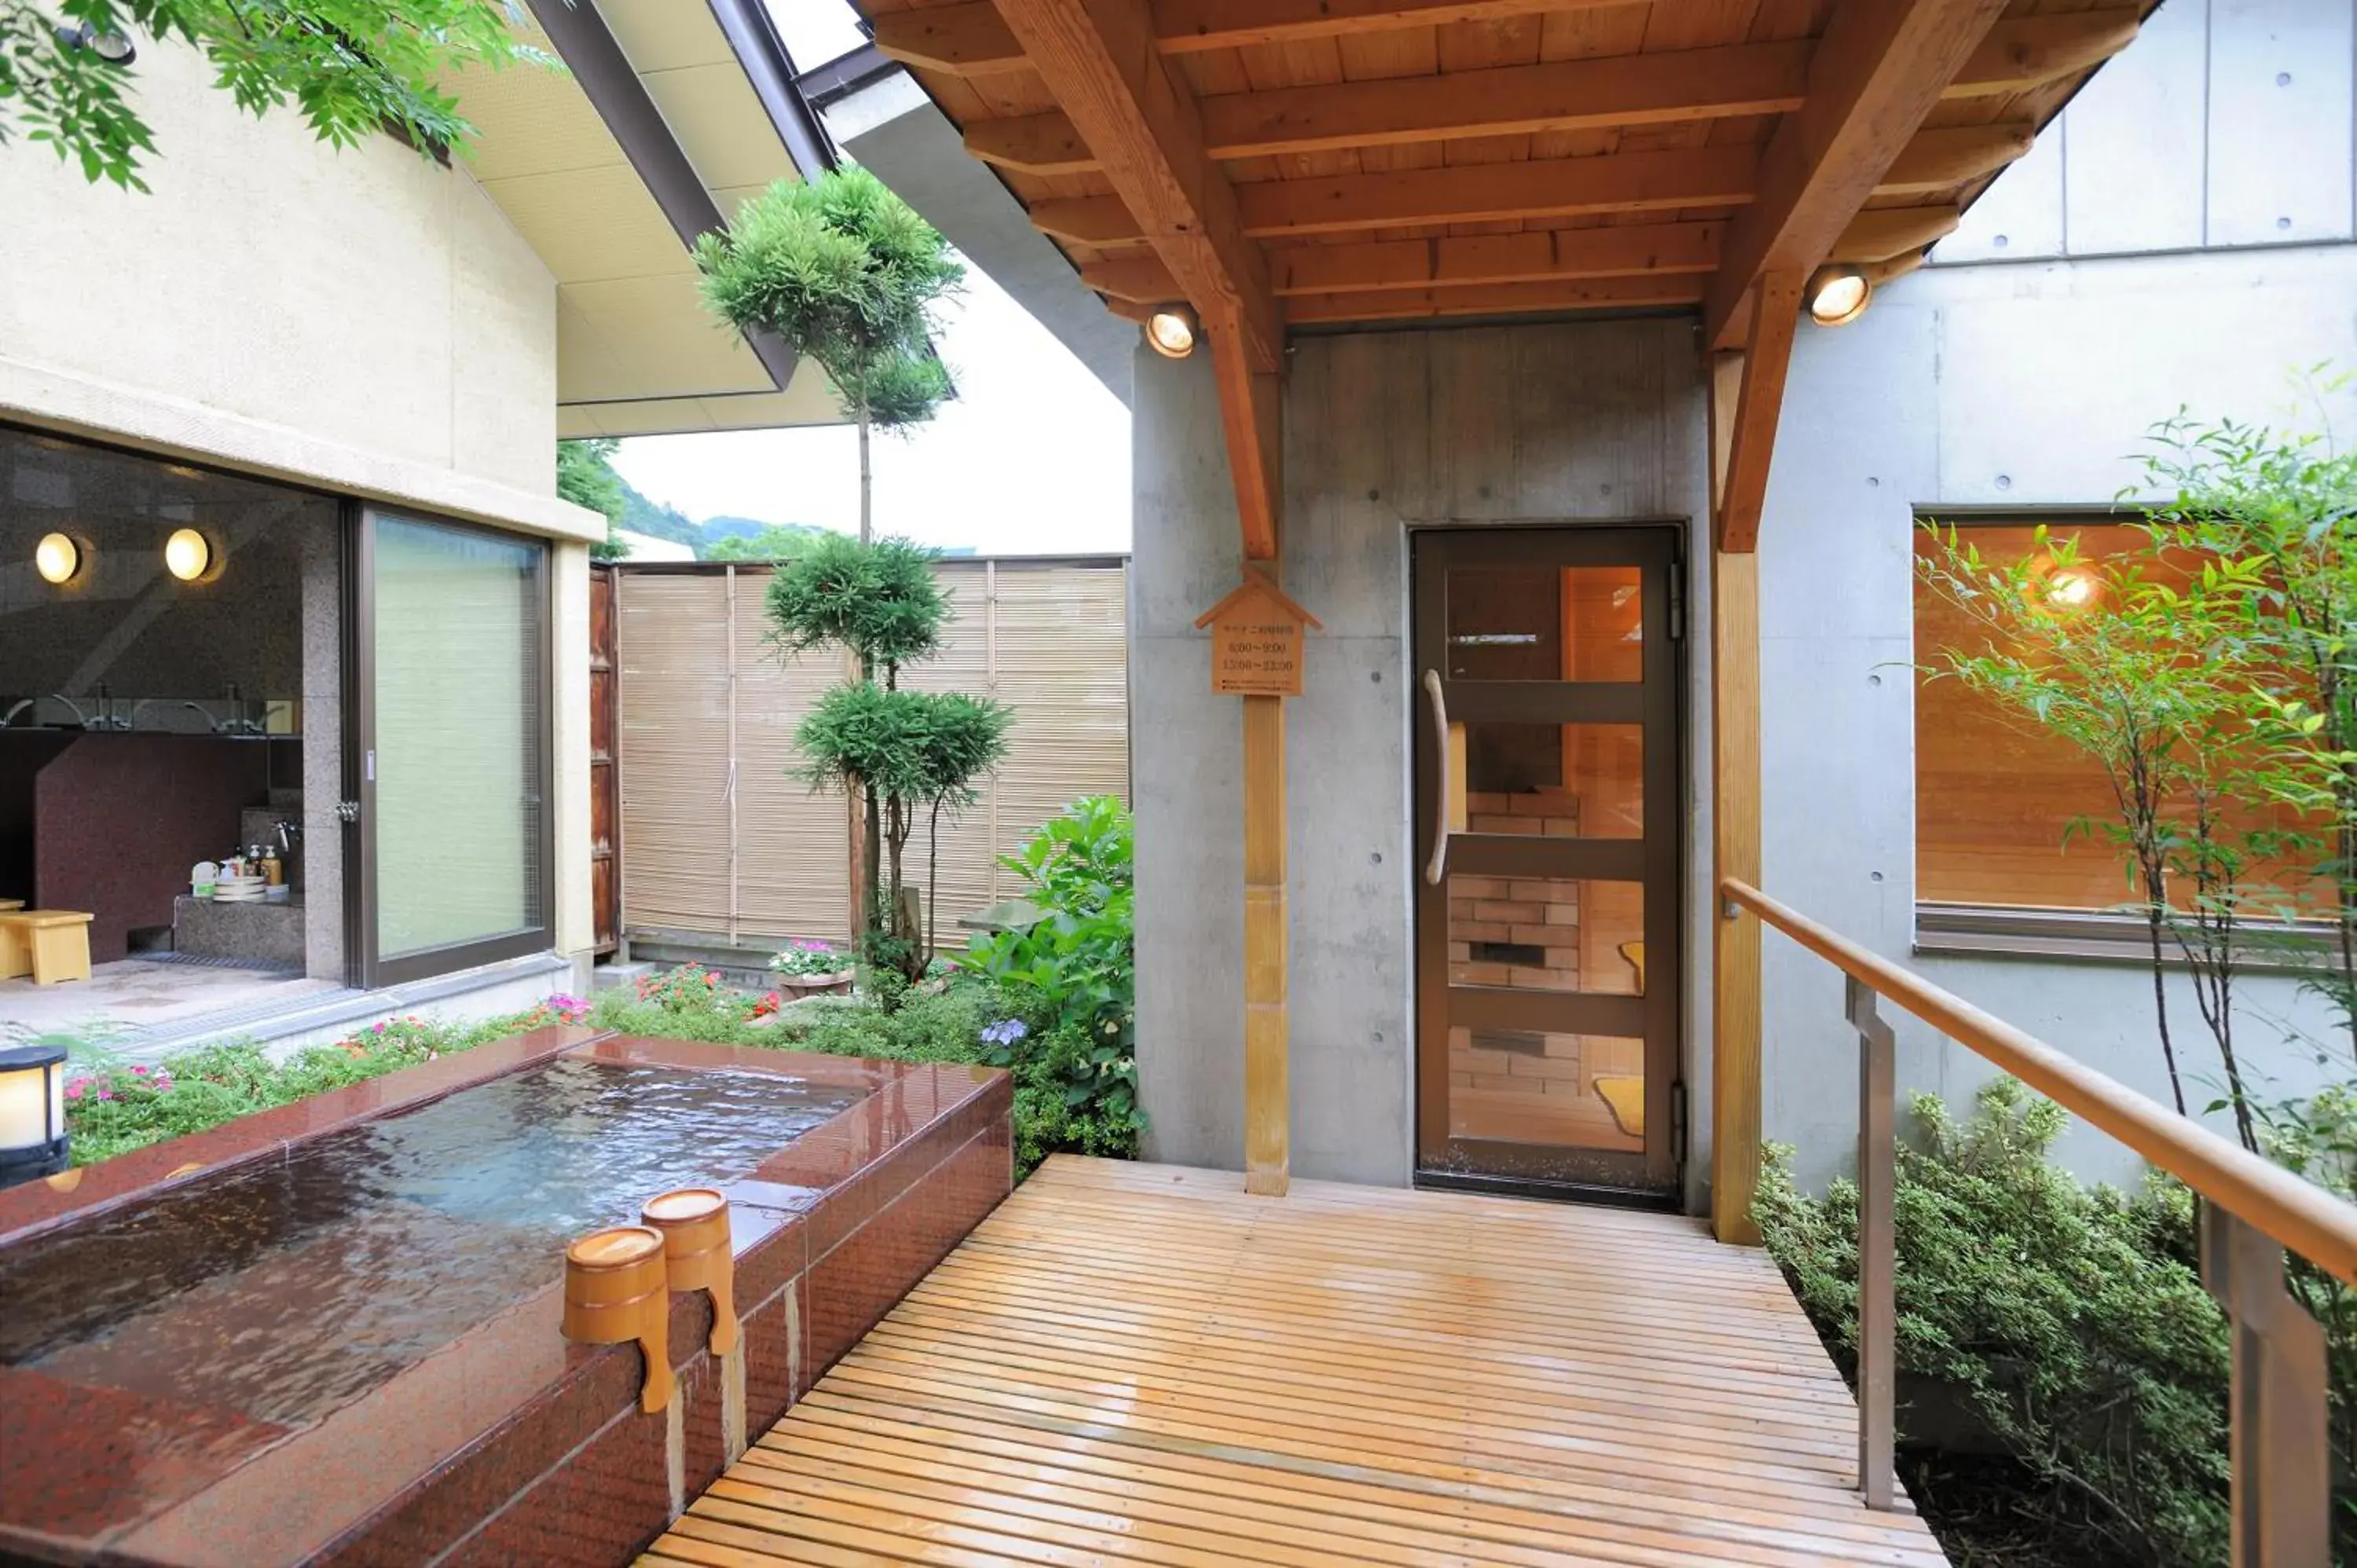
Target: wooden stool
[{"x": 54, "y": 944}]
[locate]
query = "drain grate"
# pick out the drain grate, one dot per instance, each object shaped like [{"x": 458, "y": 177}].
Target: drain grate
[{"x": 199, "y": 961}]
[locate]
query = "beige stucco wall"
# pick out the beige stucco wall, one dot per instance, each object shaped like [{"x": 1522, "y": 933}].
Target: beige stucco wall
[{"x": 362, "y": 320}]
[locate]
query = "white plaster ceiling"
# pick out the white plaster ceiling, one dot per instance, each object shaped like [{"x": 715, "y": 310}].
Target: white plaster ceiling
[{"x": 636, "y": 351}]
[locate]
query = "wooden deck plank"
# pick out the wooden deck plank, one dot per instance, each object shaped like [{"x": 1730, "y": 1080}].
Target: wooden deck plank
[{"x": 1140, "y": 1365}]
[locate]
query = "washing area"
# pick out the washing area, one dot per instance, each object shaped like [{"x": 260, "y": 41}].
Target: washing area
[{"x": 169, "y": 748}]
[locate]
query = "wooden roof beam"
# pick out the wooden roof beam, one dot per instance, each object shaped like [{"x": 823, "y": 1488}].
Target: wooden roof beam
[
  {"x": 1659, "y": 289},
  {"x": 1880, "y": 68},
  {"x": 1673, "y": 86},
  {"x": 1097, "y": 58},
  {"x": 1944, "y": 159},
  {"x": 1469, "y": 261},
  {"x": 1758, "y": 404},
  {"x": 2030, "y": 52},
  {"x": 1696, "y": 180},
  {"x": 1888, "y": 231},
  {"x": 971, "y": 41}
]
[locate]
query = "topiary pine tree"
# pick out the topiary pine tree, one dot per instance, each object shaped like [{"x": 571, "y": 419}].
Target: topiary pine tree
[
  {"x": 845, "y": 272},
  {"x": 903, "y": 754}
]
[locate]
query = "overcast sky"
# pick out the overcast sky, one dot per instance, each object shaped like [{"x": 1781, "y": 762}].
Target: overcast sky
[{"x": 1031, "y": 456}]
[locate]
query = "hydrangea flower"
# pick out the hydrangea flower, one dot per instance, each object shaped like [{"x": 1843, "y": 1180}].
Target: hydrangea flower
[{"x": 1005, "y": 1032}]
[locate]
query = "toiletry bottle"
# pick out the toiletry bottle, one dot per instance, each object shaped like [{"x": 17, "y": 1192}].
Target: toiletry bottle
[{"x": 271, "y": 870}]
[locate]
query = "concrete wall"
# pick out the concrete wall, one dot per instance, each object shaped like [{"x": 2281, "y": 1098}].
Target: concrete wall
[
  {"x": 1383, "y": 431},
  {"x": 2226, "y": 122},
  {"x": 2015, "y": 386}
]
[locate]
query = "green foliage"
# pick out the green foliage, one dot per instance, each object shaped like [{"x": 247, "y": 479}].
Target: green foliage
[
  {"x": 775, "y": 541},
  {"x": 1076, "y": 967},
  {"x": 880, "y": 600},
  {"x": 1070, "y": 980},
  {"x": 944, "y": 1025},
  {"x": 907, "y": 746},
  {"x": 906, "y": 755},
  {"x": 2151, "y": 682},
  {"x": 585, "y": 477},
  {"x": 2072, "y": 1319},
  {"x": 112, "y": 1108},
  {"x": 350, "y": 68},
  {"x": 845, "y": 271}
]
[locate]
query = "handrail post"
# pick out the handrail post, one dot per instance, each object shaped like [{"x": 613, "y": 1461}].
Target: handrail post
[
  {"x": 2282, "y": 1497},
  {"x": 1877, "y": 1244}
]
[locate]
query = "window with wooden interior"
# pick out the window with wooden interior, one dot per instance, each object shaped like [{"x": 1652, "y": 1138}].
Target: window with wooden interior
[{"x": 2013, "y": 843}]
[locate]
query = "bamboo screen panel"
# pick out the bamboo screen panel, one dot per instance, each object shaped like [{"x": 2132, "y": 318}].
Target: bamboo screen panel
[{"x": 1048, "y": 638}]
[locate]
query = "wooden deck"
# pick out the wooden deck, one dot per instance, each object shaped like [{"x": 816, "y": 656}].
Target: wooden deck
[{"x": 1138, "y": 1364}]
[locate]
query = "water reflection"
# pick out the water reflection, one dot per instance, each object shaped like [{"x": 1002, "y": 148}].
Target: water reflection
[{"x": 285, "y": 1289}]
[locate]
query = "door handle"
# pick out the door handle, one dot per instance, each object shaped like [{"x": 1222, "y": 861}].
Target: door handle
[{"x": 1432, "y": 868}]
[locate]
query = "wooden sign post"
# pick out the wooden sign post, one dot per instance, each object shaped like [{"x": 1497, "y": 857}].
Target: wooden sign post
[
  {"x": 1256, "y": 637},
  {"x": 1256, "y": 641}
]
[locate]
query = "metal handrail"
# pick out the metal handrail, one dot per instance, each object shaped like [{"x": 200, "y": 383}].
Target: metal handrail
[{"x": 2250, "y": 1212}]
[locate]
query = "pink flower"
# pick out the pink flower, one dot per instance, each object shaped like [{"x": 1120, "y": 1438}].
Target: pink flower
[
  {"x": 105, "y": 1093},
  {"x": 380, "y": 1029},
  {"x": 712, "y": 979},
  {"x": 73, "y": 1090},
  {"x": 140, "y": 1070}
]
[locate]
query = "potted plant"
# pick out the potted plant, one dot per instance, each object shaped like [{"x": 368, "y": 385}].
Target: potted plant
[{"x": 811, "y": 969}]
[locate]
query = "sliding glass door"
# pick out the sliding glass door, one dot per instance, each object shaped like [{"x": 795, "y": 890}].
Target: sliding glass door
[{"x": 453, "y": 746}]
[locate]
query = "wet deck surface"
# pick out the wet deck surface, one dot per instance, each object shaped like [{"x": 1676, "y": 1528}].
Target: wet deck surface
[{"x": 1132, "y": 1363}]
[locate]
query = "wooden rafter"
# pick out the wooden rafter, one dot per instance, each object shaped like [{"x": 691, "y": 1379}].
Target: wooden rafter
[
  {"x": 1944, "y": 159},
  {"x": 1693, "y": 180},
  {"x": 1539, "y": 256},
  {"x": 1878, "y": 70},
  {"x": 971, "y": 41},
  {"x": 1751, "y": 434},
  {"x": 1888, "y": 231},
  {"x": 1500, "y": 299},
  {"x": 1098, "y": 59}
]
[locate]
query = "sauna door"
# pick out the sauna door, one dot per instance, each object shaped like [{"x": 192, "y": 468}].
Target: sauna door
[{"x": 1547, "y": 839}]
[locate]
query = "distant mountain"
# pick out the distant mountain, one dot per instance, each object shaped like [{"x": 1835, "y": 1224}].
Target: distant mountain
[
  {"x": 720, "y": 528},
  {"x": 641, "y": 515}
]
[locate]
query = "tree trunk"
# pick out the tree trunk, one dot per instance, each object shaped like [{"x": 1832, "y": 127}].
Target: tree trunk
[{"x": 866, "y": 478}]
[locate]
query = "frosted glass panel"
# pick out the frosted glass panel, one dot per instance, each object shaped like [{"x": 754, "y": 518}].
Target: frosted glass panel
[{"x": 459, "y": 684}]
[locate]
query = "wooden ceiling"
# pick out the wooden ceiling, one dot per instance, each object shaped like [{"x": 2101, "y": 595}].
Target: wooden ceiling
[
  {"x": 1403, "y": 158},
  {"x": 1300, "y": 163}
]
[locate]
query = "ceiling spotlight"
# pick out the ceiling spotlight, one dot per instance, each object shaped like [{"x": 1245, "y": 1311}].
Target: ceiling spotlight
[
  {"x": 1838, "y": 294},
  {"x": 57, "y": 558},
  {"x": 186, "y": 554},
  {"x": 114, "y": 49},
  {"x": 1170, "y": 331}
]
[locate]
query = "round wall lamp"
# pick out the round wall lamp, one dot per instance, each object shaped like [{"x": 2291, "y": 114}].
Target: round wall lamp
[
  {"x": 57, "y": 558},
  {"x": 1171, "y": 331},
  {"x": 188, "y": 554},
  {"x": 1838, "y": 294}
]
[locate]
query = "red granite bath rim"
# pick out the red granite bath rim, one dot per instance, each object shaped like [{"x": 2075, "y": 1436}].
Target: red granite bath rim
[{"x": 509, "y": 1436}]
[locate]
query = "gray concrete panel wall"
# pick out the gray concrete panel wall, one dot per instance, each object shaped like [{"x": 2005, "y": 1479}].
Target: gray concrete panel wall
[
  {"x": 1384, "y": 433},
  {"x": 2019, "y": 387},
  {"x": 2226, "y": 123}
]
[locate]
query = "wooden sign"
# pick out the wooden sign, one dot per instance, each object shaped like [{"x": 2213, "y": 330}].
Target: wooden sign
[{"x": 1256, "y": 638}]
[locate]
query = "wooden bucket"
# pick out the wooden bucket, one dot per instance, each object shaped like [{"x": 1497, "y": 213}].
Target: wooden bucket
[
  {"x": 697, "y": 1251},
  {"x": 616, "y": 1289}
]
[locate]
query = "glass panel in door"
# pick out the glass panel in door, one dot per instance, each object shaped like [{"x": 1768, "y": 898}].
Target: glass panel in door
[
  {"x": 1545, "y": 781},
  {"x": 453, "y": 776}
]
